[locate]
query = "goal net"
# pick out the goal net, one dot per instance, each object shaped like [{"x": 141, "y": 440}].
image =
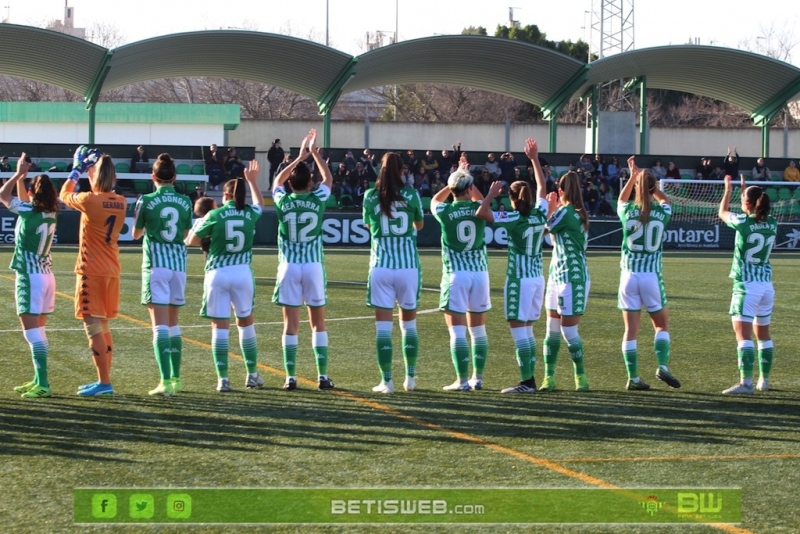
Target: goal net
[{"x": 695, "y": 224}]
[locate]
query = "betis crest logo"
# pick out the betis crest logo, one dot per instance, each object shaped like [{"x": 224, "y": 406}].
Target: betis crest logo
[{"x": 651, "y": 505}]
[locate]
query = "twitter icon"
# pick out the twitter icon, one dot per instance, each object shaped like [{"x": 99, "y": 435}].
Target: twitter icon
[{"x": 141, "y": 506}]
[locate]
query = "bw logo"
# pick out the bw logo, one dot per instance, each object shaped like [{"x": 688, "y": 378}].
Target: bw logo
[{"x": 651, "y": 505}]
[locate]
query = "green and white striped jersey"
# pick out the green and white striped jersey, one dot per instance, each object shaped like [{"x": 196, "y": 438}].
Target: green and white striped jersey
[
  {"x": 463, "y": 247},
  {"x": 525, "y": 236},
  {"x": 231, "y": 232},
  {"x": 568, "y": 263},
  {"x": 754, "y": 242},
  {"x": 642, "y": 245},
  {"x": 394, "y": 239},
  {"x": 33, "y": 236},
  {"x": 300, "y": 224},
  {"x": 164, "y": 215}
]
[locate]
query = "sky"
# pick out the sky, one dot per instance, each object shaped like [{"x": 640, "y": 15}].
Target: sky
[{"x": 656, "y": 23}]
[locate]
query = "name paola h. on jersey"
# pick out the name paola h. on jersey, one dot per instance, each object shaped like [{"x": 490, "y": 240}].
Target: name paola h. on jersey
[{"x": 766, "y": 225}]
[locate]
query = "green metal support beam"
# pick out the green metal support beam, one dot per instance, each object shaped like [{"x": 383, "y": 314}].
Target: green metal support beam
[
  {"x": 765, "y": 140},
  {"x": 643, "y": 144},
  {"x": 93, "y": 93},
  {"x": 767, "y": 111},
  {"x": 595, "y": 113},
  {"x": 556, "y": 103},
  {"x": 329, "y": 98}
]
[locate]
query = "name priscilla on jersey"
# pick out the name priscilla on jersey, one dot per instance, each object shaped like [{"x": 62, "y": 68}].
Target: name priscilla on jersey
[{"x": 461, "y": 213}]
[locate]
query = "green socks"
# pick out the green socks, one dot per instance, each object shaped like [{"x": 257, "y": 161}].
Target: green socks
[
  {"x": 320, "y": 344},
  {"x": 38, "y": 345},
  {"x": 249, "y": 347},
  {"x": 765, "y": 354},
  {"x": 575, "y": 345},
  {"x": 383, "y": 347},
  {"x": 480, "y": 349},
  {"x": 219, "y": 350},
  {"x": 459, "y": 350},
  {"x": 552, "y": 344},
  {"x": 176, "y": 346},
  {"x": 522, "y": 346},
  {"x": 289, "y": 354},
  {"x": 408, "y": 329},
  {"x": 747, "y": 355},
  {"x": 163, "y": 350},
  {"x": 630, "y": 355},
  {"x": 662, "y": 344}
]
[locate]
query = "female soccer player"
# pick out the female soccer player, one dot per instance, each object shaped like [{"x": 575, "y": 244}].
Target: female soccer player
[
  {"x": 301, "y": 268},
  {"x": 393, "y": 214},
  {"x": 164, "y": 218},
  {"x": 464, "y": 297},
  {"x": 753, "y": 294},
  {"x": 568, "y": 279},
  {"x": 97, "y": 268},
  {"x": 35, "y": 283},
  {"x": 524, "y": 288},
  {"x": 229, "y": 278},
  {"x": 640, "y": 284}
]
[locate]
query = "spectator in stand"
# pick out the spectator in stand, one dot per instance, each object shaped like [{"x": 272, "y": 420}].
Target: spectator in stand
[
  {"x": 233, "y": 164},
  {"x": 407, "y": 176},
  {"x": 612, "y": 172},
  {"x": 349, "y": 161},
  {"x": 591, "y": 198},
  {"x": 760, "y": 172},
  {"x": 482, "y": 181},
  {"x": 703, "y": 171},
  {"x": 360, "y": 190},
  {"x": 197, "y": 193},
  {"x": 549, "y": 179},
  {"x": 623, "y": 177},
  {"x": 139, "y": 156},
  {"x": 367, "y": 160},
  {"x": 453, "y": 168},
  {"x": 507, "y": 166},
  {"x": 673, "y": 171},
  {"x": 659, "y": 171},
  {"x": 411, "y": 160},
  {"x": 419, "y": 173},
  {"x": 606, "y": 201},
  {"x": 5, "y": 165},
  {"x": 215, "y": 168},
  {"x": 355, "y": 178},
  {"x": 438, "y": 183},
  {"x": 340, "y": 176},
  {"x": 584, "y": 165},
  {"x": 492, "y": 166},
  {"x": 275, "y": 157},
  {"x": 445, "y": 164},
  {"x": 518, "y": 176},
  {"x": 425, "y": 187},
  {"x": 731, "y": 163},
  {"x": 287, "y": 159},
  {"x": 429, "y": 163},
  {"x": 599, "y": 168},
  {"x": 717, "y": 174},
  {"x": 791, "y": 173}
]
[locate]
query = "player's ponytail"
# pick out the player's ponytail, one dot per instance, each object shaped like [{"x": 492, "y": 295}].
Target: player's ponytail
[
  {"x": 570, "y": 186},
  {"x": 389, "y": 182},
  {"x": 105, "y": 175},
  {"x": 645, "y": 185},
  {"x": 757, "y": 200},
  {"x": 43, "y": 194},
  {"x": 238, "y": 191},
  {"x": 522, "y": 197},
  {"x": 164, "y": 169}
]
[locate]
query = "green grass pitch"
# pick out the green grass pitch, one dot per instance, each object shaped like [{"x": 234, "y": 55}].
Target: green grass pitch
[{"x": 352, "y": 437}]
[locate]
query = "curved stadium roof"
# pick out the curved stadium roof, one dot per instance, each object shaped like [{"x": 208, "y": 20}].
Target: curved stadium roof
[{"x": 756, "y": 83}]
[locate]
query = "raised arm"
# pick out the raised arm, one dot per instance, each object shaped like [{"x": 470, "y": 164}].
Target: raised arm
[
  {"x": 18, "y": 178},
  {"x": 251, "y": 176},
  {"x": 532, "y": 151},
  {"x": 724, "y": 204},
  {"x": 485, "y": 210},
  {"x": 439, "y": 197},
  {"x": 282, "y": 176},
  {"x": 322, "y": 165},
  {"x": 625, "y": 194}
]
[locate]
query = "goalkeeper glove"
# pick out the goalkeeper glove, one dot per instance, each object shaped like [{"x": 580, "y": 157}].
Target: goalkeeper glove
[{"x": 83, "y": 159}]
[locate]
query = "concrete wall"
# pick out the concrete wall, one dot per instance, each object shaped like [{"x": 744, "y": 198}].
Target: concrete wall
[
  {"x": 112, "y": 133},
  {"x": 492, "y": 137}
]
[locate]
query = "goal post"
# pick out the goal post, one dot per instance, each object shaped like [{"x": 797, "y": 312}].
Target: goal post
[{"x": 695, "y": 203}]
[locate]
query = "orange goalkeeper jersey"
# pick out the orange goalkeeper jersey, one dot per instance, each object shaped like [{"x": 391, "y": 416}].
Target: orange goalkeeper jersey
[{"x": 102, "y": 219}]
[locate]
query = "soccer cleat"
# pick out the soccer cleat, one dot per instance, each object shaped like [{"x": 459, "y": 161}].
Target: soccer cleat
[
  {"x": 26, "y": 387},
  {"x": 410, "y": 383},
  {"x": 224, "y": 385},
  {"x": 475, "y": 383},
  {"x": 581, "y": 384},
  {"x": 641, "y": 385},
  {"x": 85, "y": 386},
  {"x": 739, "y": 389},
  {"x": 164, "y": 388},
  {"x": 177, "y": 385},
  {"x": 458, "y": 385},
  {"x": 548, "y": 384},
  {"x": 36, "y": 392},
  {"x": 763, "y": 384},
  {"x": 522, "y": 387},
  {"x": 254, "y": 381},
  {"x": 384, "y": 387},
  {"x": 290, "y": 384},
  {"x": 96, "y": 390},
  {"x": 668, "y": 378},
  {"x": 325, "y": 383}
]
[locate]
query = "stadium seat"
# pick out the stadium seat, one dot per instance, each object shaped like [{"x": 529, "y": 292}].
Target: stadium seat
[
  {"x": 142, "y": 186},
  {"x": 198, "y": 169},
  {"x": 331, "y": 203},
  {"x": 772, "y": 193},
  {"x": 795, "y": 209},
  {"x": 44, "y": 165},
  {"x": 784, "y": 193},
  {"x": 687, "y": 177},
  {"x": 122, "y": 167},
  {"x": 61, "y": 166},
  {"x": 796, "y": 194},
  {"x": 183, "y": 168},
  {"x": 426, "y": 204}
]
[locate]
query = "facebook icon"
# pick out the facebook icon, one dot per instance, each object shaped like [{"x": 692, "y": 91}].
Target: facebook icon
[{"x": 104, "y": 505}]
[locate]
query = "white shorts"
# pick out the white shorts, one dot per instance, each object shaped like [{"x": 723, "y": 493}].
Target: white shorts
[
  {"x": 36, "y": 293},
  {"x": 465, "y": 291},
  {"x": 300, "y": 283},
  {"x": 225, "y": 287},
  {"x": 567, "y": 299},
  {"x": 523, "y": 298},
  {"x": 162, "y": 287},
  {"x": 751, "y": 300},
  {"x": 637, "y": 289},
  {"x": 386, "y": 286}
]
